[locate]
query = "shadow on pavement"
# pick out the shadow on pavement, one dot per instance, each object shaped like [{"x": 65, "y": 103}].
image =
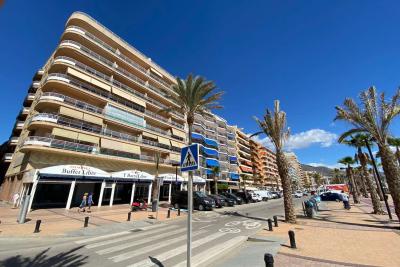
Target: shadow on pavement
[
  {"x": 68, "y": 259},
  {"x": 156, "y": 262}
]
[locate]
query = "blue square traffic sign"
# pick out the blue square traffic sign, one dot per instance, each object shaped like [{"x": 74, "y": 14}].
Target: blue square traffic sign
[{"x": 190, "y": 158}]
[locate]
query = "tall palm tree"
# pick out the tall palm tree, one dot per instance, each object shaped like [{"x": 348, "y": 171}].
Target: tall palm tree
[
  {"x": 337, "y": 176},
  {"x": 215, "y": 171},
  {"x": 191, "y": 96},
  {"x": 374, "y": 116},
  {"x": 396, "y": 143},
  {"x": 318, "y": 179},
  {"x": 348, "y": 161},
  {"x": 275, "y": 127},
  {"x": 360, "y": 179}
]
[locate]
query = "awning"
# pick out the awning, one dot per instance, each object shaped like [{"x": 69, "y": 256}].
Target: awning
[
  {"x": 197, "y": 180},
  {"x": 88, "y": 138},
  {"x": 73, "y": 172},
  {"x": 71, "y": 113},
  {"x": 234, "y": 176},
  {"x": 197, "y": 136},
  {"x": 177, "y": 144},
  {"x": 65, "y": 133},
  {"x": 114, "y": 145},
  {"x": 178, "y": 133},
  {"x": 149, "y": 135},
  {"x": 175, "y": 157},
  {"x": 246, "y": 169},
  {"x": 211, "y": 142},
  {"x": 212, "y": 162},
  {"x": 209, "y": 151},
  {"x": 171, "y": 177},
  {"x": 92, "y": 119},
  {"x": 163, "y": 140},
  {"x": 133, "y": 175}
]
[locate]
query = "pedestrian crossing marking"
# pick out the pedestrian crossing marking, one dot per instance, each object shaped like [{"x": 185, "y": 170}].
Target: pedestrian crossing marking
[
  {"x": 138, "y": 242},
  {"x": 152, "y": 247},
  {"x": 88, "y": 240},
  {"x": 175, "y": 252},
  {"x": 201, "y": 258},
  {"x": 131, "y": 236}
]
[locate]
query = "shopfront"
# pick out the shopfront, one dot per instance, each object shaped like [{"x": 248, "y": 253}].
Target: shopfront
[{"x": 171, "y": 183}]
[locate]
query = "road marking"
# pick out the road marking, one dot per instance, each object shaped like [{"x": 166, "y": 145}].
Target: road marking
[
  {"x": 152, "y": 247},
  {"x": 230, "y": 230},
  {"x": 175, "y": 252},
  {"x": 139, "y": 242},
  {"x": 115, "y": 234},
  {"x": 205, "y": 226},
  {"x": 131, "y": 236},
  {"x": 202, "y": 258}
]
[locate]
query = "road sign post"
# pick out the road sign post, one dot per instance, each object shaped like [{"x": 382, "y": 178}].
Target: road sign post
[
  {"x": 189, "y": 162},
  {"x": 160, "y": 183}
]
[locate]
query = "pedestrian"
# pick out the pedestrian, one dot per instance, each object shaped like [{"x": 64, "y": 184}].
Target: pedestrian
[
  {"x": 83, "y": 203},
  {"x": 90, "y": 201},
  {"x": 15, "y": 199},
  {"x": 345, "y": 200}
]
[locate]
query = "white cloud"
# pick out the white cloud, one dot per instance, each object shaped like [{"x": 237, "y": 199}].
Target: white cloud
[
  {"x": 305, "y": 139},
  {"x": 331, "y": 166}
]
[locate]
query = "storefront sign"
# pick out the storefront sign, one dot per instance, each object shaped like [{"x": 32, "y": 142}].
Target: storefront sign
[
  {"x": 133, "y": 174},
  {"x": 73, "y": 171}
]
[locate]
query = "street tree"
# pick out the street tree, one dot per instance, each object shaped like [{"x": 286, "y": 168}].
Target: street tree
[
  {"x": 317, "y": 179},
  {"x": 396, "y": 143},
  {"x": 348, "y": 161},
  {"x": 274, "y": 125},
  {"x": 215, "y": 172},
  {"x": 374, "y": 116}
]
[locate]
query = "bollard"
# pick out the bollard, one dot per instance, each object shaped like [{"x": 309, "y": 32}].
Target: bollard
[
  {"x": 270, "y": 225},
  {"x": 276, "y": 221},
  {"x": 179, "y": 211},
  {"x": 37, "y": 226},
  {"x": 129, "y": 216},
  {"x": 169, "y": 213},
  {"x": 86, "y": 222},
  {"x": 292, "y": 239},
  {"x": 269, "y": 260}
]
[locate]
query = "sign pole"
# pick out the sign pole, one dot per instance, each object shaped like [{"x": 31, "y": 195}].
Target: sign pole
[{"x": 189, "y": 221}]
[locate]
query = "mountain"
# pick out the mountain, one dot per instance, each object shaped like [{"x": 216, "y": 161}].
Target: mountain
[{"x": 325, "y": 171}]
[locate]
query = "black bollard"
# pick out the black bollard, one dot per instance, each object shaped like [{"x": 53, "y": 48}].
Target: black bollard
[
  {"x": 179, "y": 211},
  {"x": 169, "y": 213},
  {"x": 269, "y": 260},
  {"x": 292, "y": 239},
  {"x": 86, "y": 222},
  {"x": 129, "y": 216},
  {"x": 270, "y": 225},
  {"x": 276, "y": 221},
  {"x": 37, "y": 226}
]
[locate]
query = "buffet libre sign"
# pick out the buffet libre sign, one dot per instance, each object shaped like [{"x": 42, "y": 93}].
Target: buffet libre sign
[{"x": 74, "y": 170}]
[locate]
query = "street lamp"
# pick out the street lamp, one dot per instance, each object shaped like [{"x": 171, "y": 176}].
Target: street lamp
[
  {"x": 176, "y": 165},
  {"x": 378, "y": 177}
]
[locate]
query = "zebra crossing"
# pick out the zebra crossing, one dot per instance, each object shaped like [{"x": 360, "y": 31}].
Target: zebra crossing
[{"x": 163, "y": 243}]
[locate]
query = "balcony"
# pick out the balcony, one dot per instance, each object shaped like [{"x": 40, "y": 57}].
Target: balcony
[
  {"x": 7, "y": 157},
  {"x": 19, "y": 125},
  {"x": 30, "y": 97},
  {"x": 24, "y": 111},
  {"x": 118, "y": 54},
  {"x": 13, "y": 140}
]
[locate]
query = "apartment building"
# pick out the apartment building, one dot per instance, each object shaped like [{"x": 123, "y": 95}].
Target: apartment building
[
  {"x": 244, "y": 157},
  {"x": 295, "y": 170},
  {"x": 265, "y": 170},
  {"x": 217, "y": 148},
  {"x": 91, "y": 123}
]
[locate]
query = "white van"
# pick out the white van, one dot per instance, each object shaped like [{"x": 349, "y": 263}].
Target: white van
[{"x": 264, "y": 194}]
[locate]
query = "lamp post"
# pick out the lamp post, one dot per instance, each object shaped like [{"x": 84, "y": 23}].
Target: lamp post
[
  {"x": 176, "y": 172},
  {"x": 379, "y": 178}
]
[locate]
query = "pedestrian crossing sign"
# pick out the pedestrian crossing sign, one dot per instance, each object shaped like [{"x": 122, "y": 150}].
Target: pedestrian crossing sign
[{"x": 190, "y": 158}]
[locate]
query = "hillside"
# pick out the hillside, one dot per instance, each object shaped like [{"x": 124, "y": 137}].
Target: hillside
[{"x": 325, "y": 171}]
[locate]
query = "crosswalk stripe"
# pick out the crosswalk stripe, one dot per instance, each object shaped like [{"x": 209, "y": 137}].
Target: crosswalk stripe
[
  {"x": 88, "y": 240},
  {"x": 152, "y": 247},
  {"x": 131, "y": 236},
  {"x": 202, "y": 258},
  {"x": 139, "y": 242},
  {"x": 176, "y": 251}
]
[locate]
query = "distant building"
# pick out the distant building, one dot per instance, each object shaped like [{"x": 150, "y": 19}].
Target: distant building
[{"x": 295, "y": 170}]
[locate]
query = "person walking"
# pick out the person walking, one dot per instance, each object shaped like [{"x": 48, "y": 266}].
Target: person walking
[
  {"x": 83, "y": 203},
  {"x": 345, "y": 200},
  {"x": 15, "y": 199},
  {"x": 90, "y": 201}
]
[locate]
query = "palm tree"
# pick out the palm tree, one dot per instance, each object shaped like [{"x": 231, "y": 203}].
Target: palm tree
[
  {"x": 337, "y": 176},
  {"x": 191, "y": 96},
  {"x": 348, "y": 161},
  {"x": 275, "y": 127},
  {"x": 360, "y": 179},
  {"x": 396, "y": 143},
  {"x": 215, "y": 171},
  {"x": 317, "y": 178},
  {"x": 374, "y": 117}
]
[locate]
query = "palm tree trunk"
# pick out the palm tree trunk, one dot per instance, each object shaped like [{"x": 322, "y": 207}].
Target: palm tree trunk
[
  {"x": 392, "y": 174},
  {"x": 398, "y": 154},
  {"x": 215, "y": 184},
  {"x": 372, "y": 190},
  {"x": 363, "y": 184},
  {"x": 283, "y": 169},
  {"x": 353, "y": 185},
  {"x": 378, "y": 188}
]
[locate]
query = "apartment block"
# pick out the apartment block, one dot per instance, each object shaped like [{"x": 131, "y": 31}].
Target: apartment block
[
  {"x": 295, "y": 170},
  {"x": 244, "y": 157},
  {"x": 93, "y": 110},
  {"x": 217, "y": 147}
]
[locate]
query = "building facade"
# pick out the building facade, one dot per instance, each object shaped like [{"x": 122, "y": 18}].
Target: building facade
[
  {"x": 295, "y": 171},
  {"x": 244, "y": 158},
  {"x": 94, "y": 103}
]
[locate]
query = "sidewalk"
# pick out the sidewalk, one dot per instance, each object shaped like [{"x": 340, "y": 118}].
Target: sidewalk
[
  {"x": 337, "y": 237},
  {"x": 61, "y": 222}
]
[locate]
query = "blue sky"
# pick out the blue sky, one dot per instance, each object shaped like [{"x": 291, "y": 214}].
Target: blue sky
[{"x": 308, "y": 54}]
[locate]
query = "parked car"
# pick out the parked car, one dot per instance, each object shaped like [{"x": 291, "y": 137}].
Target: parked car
[
  {"x": 200, "y": 200},
  {"x": 219, "y": 201},
  {"x": 297, "y": 194},
  {"x": 264, "y": 194},
  {"x": 229, "y": 202},
  {"x": 305, "y": 193},
  {"x": 256, "y": 197},
  {"x": 236, "y": 199},
  {"x": 275, "y": 195},
  {"x": 331, "y": 196},
  {"x": 245, "y": 196}
]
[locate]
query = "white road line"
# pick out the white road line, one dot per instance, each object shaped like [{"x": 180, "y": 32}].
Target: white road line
[
  {"x": 88, "y": 240},
  {"x": 131, "y": 236},
  {"x": 139, "y": 242},
  {"x": 202, "y": 258},
  {"x": 176, "y": 251},
  {"x": 153, "y": 247},
  {"x": 205, "y": 226}
]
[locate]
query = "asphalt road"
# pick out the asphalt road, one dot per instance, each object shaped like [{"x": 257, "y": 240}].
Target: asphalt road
[{"x": 163, "y": 244}]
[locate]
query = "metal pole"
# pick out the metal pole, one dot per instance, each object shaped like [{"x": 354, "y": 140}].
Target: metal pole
[
  {"x": 379, "y": 179},
  {"x": 158, "y": 196},
  {"x": 189, "y": 220}
]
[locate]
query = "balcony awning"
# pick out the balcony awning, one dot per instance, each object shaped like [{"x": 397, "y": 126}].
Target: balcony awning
[
  {"x": 115, "y": 145},
  {"x": 210, "y": 152},
  {"x": 212, "y": 162},
  {"x": 211, "y": 142},
  {"x": 234, "y": 176},
  {"x": 177, "y": 144},
  {"x": 163, "y": 140},
  {"x": 197, "y": 136},
  {"x": 246, "y": 169},
  {"x": 178, "y": 133},
  {"x": 175, "y": 157},
  {"x": 149, "y": 135}
]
